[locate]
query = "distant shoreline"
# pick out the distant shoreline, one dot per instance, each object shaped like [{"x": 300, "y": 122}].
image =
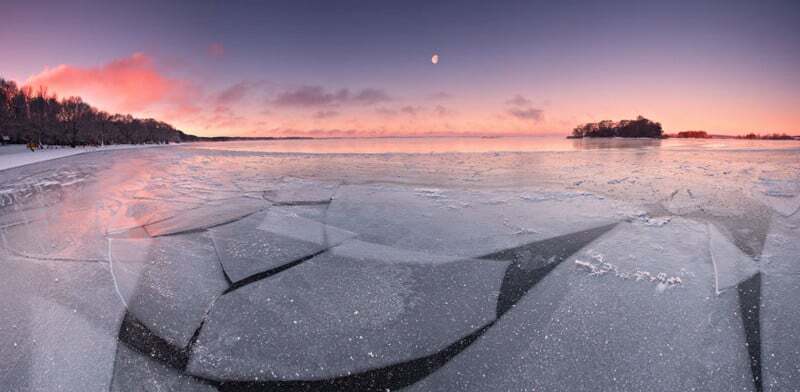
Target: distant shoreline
[
  {"x": 243, "y": 138},
  {"x": 734, "y": 137}
]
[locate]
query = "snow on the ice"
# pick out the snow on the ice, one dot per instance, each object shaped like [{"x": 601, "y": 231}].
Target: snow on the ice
[
  {"x": 336, "y": 315},
  {"x": 300, "y": 267}
]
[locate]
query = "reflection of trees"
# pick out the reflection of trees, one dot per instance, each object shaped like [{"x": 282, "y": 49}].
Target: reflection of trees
[
  {"x": 641, "y": 127},
  {"x": 599, "y": 144}
]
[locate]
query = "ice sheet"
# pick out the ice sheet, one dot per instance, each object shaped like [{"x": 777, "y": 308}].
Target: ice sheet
[
  {"x": 168, "y": 283},
  {"x": 271, "y": 239},
  {"x": 335, "y": 315},
  {"x": 207, "y": 216},
  {"x": 581, "y": 331},
  {"x": 699, "y": 277},
  {"x": 465, "y": 223}
]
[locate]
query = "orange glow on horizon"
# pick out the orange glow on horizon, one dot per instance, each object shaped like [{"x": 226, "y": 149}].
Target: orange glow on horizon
[{"x": 135, "y": 85}]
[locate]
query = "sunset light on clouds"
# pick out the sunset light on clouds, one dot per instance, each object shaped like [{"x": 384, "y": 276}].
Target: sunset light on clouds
[
  {"x": 400, "y": 195},
  {"x": 543, "y": 70}
]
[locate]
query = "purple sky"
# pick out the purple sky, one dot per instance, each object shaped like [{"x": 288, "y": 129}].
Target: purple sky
[{"x": 333, "y": 68}]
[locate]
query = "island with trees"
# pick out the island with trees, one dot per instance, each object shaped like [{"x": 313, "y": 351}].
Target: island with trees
[
  {"x": 644, "y": 128},
  {"x": 640, "y": 127}
]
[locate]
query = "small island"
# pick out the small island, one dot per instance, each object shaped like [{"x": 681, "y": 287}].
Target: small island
[{"x": 641, "y": 127}]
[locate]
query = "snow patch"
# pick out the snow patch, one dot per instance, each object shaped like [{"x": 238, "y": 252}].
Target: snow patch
[{"x": 647, "y": 220}]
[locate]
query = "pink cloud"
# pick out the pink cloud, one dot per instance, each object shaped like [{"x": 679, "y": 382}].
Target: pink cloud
[
  {"x": 127, "y": 85},
  {"x": 236, "y": 92}
]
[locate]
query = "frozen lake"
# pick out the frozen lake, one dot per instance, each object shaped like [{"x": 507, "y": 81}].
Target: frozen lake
[{"x": 446, "y": 264}]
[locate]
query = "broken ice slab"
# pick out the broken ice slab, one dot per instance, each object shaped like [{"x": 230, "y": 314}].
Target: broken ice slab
[
  {"x": 744, "y": 220},
  {"x": 286, "y": 222},
  {"x": 15, "y": 215},
  {"x": 132, "y": 368},
  {"x": 782, "y": 247},
  {"x": 731, "y": 265},
  {"x": 784, "y": 205},
  {"x": 464, "y": 223},
  {"x": 60, "y": 235},
  {"x": 76, "y": 355},
  {"x": 271, "y": 239},
  {"x": 583, "y": 331},
  {"x": 207, "y": 216},
  {"x": 780, "y": 321},
  {"x": 136, "y": 213},
  {"x": 782, "y": 195},
  {"x": 59, "y": 325},
  {"x": 533, "y": 261},
  {"x": 168, "y": 282},
  {"x": 343, "y": 312}
]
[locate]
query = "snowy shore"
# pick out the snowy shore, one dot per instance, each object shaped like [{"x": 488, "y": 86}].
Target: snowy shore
[{"x": 16, "y": 155}]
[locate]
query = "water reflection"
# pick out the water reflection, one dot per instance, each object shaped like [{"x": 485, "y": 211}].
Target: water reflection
[
  {"x": 613, "y": 143},
  {"x": 482, "y": 144}
]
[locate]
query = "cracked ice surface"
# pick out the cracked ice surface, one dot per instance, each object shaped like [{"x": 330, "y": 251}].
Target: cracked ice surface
[
  {"x": 643, "y": 266},
  {"x": 345, "y": 312},
  {"x": 270, "y": 240},
  {"x": 168, "y": 283},
  {"x": 584, "y": 331},
  {"x": 462, "y": 223}
]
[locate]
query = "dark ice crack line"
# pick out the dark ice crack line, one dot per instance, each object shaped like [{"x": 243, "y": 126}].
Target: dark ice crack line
[
  {"x": 750, "y": 308},
  {"x": 268, "y": 273},
  {"x": 301, "y": 203},
  {"x": 205, "y": 228},
  {"x": 533, "y": 261}
]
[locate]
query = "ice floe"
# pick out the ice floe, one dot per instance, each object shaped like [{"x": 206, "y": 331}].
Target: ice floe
[{"x": 336, "y": 315}]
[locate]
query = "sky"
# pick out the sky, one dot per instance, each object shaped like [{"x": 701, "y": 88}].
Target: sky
[{"x": 363, "y": 68}]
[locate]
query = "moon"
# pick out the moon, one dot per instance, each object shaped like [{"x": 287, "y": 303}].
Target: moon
[{"x": 435, "y": 58}]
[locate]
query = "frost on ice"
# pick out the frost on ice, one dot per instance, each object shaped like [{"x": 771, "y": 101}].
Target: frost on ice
[{"x": 204, "y": 269}]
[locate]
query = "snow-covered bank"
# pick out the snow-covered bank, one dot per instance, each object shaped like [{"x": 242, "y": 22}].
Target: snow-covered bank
[{"x": 16, "y": 155}]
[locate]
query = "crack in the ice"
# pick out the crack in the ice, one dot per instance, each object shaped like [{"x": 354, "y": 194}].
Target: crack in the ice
[
  {"x": 137, "y": 336},
  {"x": 114, "y": 276},
  {"x": 204, "y": 228},
  {"x": 387, "y": 378},
  {"x": 49, "y": 258},
  {"x": 525, "y": 272},
  {"x": 302, "y": 203},
  {"x": 529, "y": 264},
  {"x": 750, "y": 306},
  {"x": 325, "y": 241},
  {"x": 219, "y": 258},
  {"x": 270, "y": 272}
]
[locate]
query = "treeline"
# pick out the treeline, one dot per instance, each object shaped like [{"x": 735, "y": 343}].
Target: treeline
[
  {"x": 641, "y": 127},
  {"x": 247, "y": 138},
  {"x": 692, "y": 135},
  {"x": 38, "y": 118},
  {"x": 769, "y": 136},
  {"x": 752, "y": 135}
]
